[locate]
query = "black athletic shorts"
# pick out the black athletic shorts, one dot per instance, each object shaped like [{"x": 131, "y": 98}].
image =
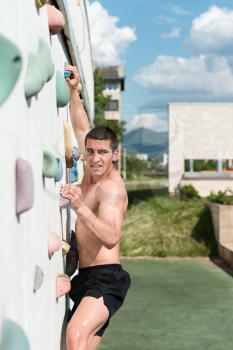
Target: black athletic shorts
[{"x": 108, "y": 281}]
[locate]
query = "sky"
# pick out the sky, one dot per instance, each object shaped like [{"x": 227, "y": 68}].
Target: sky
[{"x": 173, "y": 51}]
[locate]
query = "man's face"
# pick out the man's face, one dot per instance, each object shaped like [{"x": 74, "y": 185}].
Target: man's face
[{"x": 99, "y": 156}]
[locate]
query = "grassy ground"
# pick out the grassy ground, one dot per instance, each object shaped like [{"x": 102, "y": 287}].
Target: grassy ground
[
  {"x": 173, "y": 305},
  {"x": 159, "y": 225}
]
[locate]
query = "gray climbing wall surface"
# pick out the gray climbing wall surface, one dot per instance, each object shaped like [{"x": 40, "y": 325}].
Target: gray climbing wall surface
[{"x": 33, "y": 166}]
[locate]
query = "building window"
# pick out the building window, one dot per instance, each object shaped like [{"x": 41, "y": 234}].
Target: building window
[
  {"x": 208, "y": 165},
  {"x": 200, "y": 165},
  {"x": 113, "y": 105},
  {"x": 110, "y": 85}
]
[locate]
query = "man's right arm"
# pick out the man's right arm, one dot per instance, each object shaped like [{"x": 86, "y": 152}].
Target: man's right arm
[{"x": 78, "y": 114}]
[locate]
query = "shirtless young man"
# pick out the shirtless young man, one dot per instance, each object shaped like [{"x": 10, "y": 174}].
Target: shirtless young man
[{"x": 100, "y": 203}]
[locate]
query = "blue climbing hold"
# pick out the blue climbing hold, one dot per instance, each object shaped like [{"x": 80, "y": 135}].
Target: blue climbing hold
[{"x": 74, "y": 172}]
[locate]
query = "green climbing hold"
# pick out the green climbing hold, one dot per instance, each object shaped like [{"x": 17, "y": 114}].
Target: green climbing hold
[
  {"x": 59, "y": 171},
  {"x": 62, "y": 90},
  {"x": 10, "y": 67},
  {"x": 40, "y": 69},
  {"x": 34, "y": 80},
  {"x": 49, "y": 164},
  {"x": 47, "y": 65},
  {"x": 13, "y": 336}
]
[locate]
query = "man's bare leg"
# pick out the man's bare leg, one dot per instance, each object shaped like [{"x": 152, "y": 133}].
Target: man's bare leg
[
  {"x": 88, "y": 318},
  {"x": 96, "y": 339}
]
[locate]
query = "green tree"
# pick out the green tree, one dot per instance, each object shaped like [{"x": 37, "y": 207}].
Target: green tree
[
  {"x": 135, "y": 167},
  {"x": 101, "y": 102}
]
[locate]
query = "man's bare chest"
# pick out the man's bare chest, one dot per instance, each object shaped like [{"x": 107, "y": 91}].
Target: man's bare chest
[{"x": 90, "y": 198}]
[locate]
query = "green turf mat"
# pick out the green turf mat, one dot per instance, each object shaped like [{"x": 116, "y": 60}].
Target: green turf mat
[{"x": 173, "y": 305}]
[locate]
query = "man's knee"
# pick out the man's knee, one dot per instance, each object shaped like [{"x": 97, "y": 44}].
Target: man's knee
[{"x": 76, "y": 338}]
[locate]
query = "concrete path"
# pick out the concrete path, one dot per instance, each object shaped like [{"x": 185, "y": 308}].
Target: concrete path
[{"x": 174, "y": 304}]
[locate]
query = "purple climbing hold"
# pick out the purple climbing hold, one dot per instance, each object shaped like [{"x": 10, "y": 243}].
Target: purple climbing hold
[{"x": 24, "y": 186}]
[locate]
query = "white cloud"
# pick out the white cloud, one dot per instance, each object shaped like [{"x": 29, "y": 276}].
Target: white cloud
[
  {"x": 197, "y": 74},
  {"x": 205, "y": 76},
  {"x": 174, "y": 33},
  {"x": 163, "y": 20},
  {"x": 109, "y": 41},
  {"x": 178, "y": 10},
  {"x": 149, "y": 121},
  {"x": 212, "y": 32}
]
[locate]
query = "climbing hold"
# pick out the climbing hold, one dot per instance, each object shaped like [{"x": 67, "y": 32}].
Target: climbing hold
[
  {"x": 62, "y": 90},
  {"x": 40, "y": 69},
  {"x": 46, "y": 64},
  {"x": 10, "y": 67},
  {"x": 13, "y": 336},
  {"x": 54, "y": 244},
  {"x": 68, "y": 146},
  {"x": 56, "y": 20},
  {"x": 40, "y": 3},
  {"x": 63, "y": 203},
  {"x": 24, "y": 186},
  {"x": 38, "y": 278},
  {"x": 49, "y": 164},
  {"x": 74, "y": 169},
  {"x": 72, "y": 257},
  {"x": 67, "y": 74},
  {"x": 59, "y": 171},
  {"x": 62, "y": 285},
  {"x": 75, "y": 153},
  {"x": 74, "y": 172},
  {"x": 34, "y": 79},
  {"x": 79, "y": 87},
  {"x": 65, "y": 247}
]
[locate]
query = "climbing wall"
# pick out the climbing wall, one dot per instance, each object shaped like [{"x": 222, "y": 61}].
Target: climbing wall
[{"x": 33, "y": 108}]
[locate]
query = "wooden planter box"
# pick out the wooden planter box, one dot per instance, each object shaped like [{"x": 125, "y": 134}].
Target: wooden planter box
[{"x": 222, "y": 217}]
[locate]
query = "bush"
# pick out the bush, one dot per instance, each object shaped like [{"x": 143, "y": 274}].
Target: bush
[
  {"x": 221, "y": 197},
  {"x": 187, "y": 192},
  {"x": 135, "y": 167}
]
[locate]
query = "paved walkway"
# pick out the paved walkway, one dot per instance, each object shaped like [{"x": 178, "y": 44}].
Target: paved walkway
[
  {"x": 174, "y": 304},
  {"x": 151, "y": 183}
]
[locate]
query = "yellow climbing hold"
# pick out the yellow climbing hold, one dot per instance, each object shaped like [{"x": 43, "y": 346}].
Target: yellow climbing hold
[{"x": 40, "y": 3}]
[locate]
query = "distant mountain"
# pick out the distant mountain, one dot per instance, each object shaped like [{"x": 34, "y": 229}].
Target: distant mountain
[{"x": 143, "y": 140}]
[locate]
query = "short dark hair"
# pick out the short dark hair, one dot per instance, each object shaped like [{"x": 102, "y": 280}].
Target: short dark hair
[{"x": 102, "y": 132}]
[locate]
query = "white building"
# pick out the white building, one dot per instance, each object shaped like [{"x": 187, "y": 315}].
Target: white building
[
  {"x": 200, "y": 131},
  {"x": 114, "y": 83},
  {"x": 142, "y": 156},
  {"x": 164, "y": 161}
]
